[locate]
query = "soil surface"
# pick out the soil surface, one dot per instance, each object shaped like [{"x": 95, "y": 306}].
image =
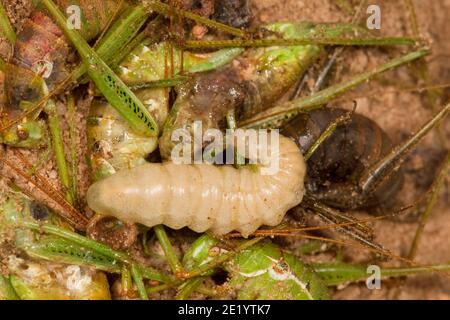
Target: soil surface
[{"x": 387, "y": 100}]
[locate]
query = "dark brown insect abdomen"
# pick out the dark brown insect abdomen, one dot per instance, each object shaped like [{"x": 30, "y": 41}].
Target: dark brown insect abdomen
[{"x": 334, "y": 169}]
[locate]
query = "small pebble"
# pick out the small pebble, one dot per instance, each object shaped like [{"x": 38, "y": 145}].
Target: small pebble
[
  {"x": 53, "y": 174},
  {"x": 199, "y": 31}
]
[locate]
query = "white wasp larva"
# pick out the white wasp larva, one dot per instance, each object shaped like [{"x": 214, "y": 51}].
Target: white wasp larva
[{"x": 203, "y": 196}]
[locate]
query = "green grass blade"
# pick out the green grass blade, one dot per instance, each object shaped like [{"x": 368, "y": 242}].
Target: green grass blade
[
  {"x": 341, "y": 273},
  {"x": 5, "y": 25},
  {"x": 58, "y": 144},
  {"x": 111, "y": 86},
  {"x": 276, "y": 116},
  {"x": 332, "y": 41},
  {"x": 169, "y": 252},
  {"x": 7, "y": 291},
  {"x": 137, "y": 277}
]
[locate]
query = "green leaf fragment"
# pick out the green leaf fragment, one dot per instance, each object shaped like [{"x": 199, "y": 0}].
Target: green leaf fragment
[{"x": 265, "y": 272}]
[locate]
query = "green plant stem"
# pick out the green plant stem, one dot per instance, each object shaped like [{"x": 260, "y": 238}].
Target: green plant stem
[
  {"x": 126, "y": 279},
  {"x": 117, "y": 37},
  {"x": 217, "y": 261},
  {"x": 152, "y": 274},
  {"x": 148, "y": 273},
  {"x": 206, "y": 291},
  {"x": 160, "y": 288},
  {"x": 122, "y": 32},
  {"x": 7, "y": 291},
  {"x": 435, "y": 190},
  {"x": 163, "y": 83},
  {"x": 120, "y": 28},
  {"x": 372, "y": 177},
  {"x": 79, "y": 239},
  {"x": 112, "y": 87},
  {"x": 188, "y": 287},
  {"x": 422, "y": 72},
  {"x": 155, "y": 24},
  {"x": 341, "y": 273},
  {"x": 58, "y": 145},
  {"x": 43, "y": 158},
  {"x": 390, "y": 41},
  {"x": 169, "y": 252},
  {"x": 412, "y": 16},
  {"x": 5, "y": 25},
  {"x": 145, "y": 240},
  {"x": 73, "y": 147},
  {"x": 137, "y": 277},
  {"x": 279, "y": 114}
]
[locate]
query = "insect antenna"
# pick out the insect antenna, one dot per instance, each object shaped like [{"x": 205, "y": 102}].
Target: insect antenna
[
  {"x": 176, "y": 34},
  {"x": 176, "y": 26},
  {"x": 70, "y": 213},
  {"x": 113, "y": 17},
  {"x": 386, "y": 166},
  {"x": 377, "y": 92},
  {"x": 358, "y": 246},
  {"x": 287, "y": 232}
]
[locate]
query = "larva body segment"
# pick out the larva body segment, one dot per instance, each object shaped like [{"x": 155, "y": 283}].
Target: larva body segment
[{"x": 202, "y": 196}]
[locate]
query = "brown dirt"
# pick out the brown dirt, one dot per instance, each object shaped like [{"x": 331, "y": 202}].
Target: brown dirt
[{"x": 398, "y": 112}]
